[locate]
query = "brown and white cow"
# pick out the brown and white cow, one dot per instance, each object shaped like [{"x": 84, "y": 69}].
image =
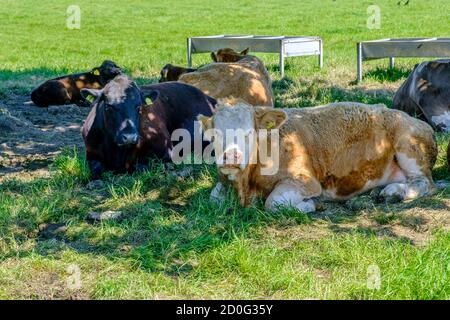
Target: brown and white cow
[
  {"x": 426, "y": 94},
  {"x": 335, "y": 151},
  {"x": 246, "y": 78}
]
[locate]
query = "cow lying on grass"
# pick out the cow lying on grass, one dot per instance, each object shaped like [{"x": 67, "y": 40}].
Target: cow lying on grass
[
  {"x": 172, "y": 73},
  {"x": 426, "y": 94},
  {"x": 245, "y": 78},
  {"x": 335, "y": 151},
  {"x": 127, "y": 126},
  {"x": 66, "y": 89}
]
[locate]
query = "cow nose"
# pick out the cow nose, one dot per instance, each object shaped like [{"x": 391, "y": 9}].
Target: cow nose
[
  {"x": 232, "y": 157},
  {"x": 129, "y": 138},
  {"x": 116, "y": 71}
]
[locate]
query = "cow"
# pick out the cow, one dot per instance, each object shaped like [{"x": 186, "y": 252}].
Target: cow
[
  {"x": 246, "y": 78},
  {"x": 173, "y": 73},
  {"x": 335, "y": 152},
  {"x": 426, "y": 94},
  {"x": 229, "y": 55},
  {"x": 128, "y": 125},
  {"x": 66, "y": 89}
]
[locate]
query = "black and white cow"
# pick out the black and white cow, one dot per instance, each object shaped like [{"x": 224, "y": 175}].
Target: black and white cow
[{"x": 426, "y": 94}]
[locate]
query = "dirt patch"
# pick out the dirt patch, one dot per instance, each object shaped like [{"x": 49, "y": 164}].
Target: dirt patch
[{"x": 30, "y": 137}]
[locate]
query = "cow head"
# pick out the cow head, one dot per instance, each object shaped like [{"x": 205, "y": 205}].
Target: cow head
[
  {"x": 166, "y": 73},
  {"x": 107, "y": 71},
  {"x": 234, "y": 132},
  {"x": 116, "y": 109},
  {"x": 228, "y": 55},
  {"x": 173, "y": 73}
]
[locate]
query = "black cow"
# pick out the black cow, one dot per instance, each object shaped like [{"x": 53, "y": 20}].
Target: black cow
[
  {"x": 128, "y": 126},
  {"x": 66, "y": 89},
  {"x": 173, "y": 73},
  {"x": 426, "y": 94}
]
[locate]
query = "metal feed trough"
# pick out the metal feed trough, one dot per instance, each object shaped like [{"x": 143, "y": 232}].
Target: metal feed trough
[
  {"x": 284, "y": 46},
  {"x": 409, "y": 47}
]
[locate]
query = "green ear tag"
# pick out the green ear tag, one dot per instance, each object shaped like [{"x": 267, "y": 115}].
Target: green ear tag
[
  {"x": 148, "y": 101},
  {"x": 270, "y": 125},
  {"x": 96, "y": 72},
  {"x": 90, "y": 98}
]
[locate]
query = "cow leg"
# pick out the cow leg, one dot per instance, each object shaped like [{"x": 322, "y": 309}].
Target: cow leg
[
  {"x": 219, "y": 193},
  {"x": 295, "y": 193},
  {"x": 418, "y": 178},
  {"x": 96, "y": 168}
]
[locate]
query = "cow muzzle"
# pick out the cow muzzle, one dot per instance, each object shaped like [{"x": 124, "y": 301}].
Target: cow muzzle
[
  {"x": 231, "y": 162},
  {"x": 127, "y": 139}
]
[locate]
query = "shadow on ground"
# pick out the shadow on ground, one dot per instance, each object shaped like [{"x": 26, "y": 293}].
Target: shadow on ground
[{"x": 167, "y": 216}]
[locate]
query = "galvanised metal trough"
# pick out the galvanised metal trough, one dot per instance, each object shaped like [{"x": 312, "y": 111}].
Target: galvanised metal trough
[
  {"x": 285, "y": 46},
  {"x": 401, "y": 48}
]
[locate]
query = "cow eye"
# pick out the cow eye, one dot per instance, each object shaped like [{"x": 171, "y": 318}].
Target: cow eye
[{"x": 109, "y": 107}]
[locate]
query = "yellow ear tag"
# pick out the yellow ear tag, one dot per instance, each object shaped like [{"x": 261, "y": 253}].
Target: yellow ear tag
[
  {"x": 90, "y": 98},
  {"x": 270, "y": 125},
  {"x": 148, "y": 101},
  {"x": 96, "y": 72},
  {"x": 165, "y": 73}
]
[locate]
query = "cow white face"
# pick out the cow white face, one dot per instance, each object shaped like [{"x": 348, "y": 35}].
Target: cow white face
[{"x": 234, "y": 131}]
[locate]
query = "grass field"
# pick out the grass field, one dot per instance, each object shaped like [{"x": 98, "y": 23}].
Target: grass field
[{"x": 172, "y": 242}]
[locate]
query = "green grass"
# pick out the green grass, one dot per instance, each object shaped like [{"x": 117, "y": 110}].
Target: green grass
[{"x": 172, "y": 242}]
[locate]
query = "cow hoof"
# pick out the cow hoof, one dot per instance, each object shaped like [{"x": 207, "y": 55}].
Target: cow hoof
[
  {"x": 442, "y": 184},
  {"x": 218, "y": 194},
  {"x": 306, "y": 206},
  {"x": 95, "y": 184},
  {"x": 395, "y": 192},
  {"x": 140, "y": 168}
]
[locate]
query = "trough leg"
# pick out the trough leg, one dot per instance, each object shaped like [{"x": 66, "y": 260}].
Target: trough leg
[
  {"x": 321, "y": 54},
  {"x": 282, "y": 61},
  {"x": 189, "y": 52},
  {"x": 359, "y": 70},
  {"x": 392, "y": 62}
]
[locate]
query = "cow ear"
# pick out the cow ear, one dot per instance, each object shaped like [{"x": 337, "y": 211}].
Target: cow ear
[
  {"x": 213, "y": 56},
  {"x": 151, "y": 97},
  {"x": 206, "y": 126},
  {"x": 90, "y": 94},
  {"x": 205, "y": 122},
  {"x": 267, "y": 118},
  {"x": 96, "y": 71},
  {"x": 245, "y": 52}
]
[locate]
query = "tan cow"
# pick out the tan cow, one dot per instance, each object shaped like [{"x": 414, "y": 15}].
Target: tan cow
[
  {"x": 246, "y": 78},
  {"x": 335, "y": 151}
]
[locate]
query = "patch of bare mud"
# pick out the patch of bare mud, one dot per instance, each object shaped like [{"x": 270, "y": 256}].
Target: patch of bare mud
[{"x": 30, "y": 137}]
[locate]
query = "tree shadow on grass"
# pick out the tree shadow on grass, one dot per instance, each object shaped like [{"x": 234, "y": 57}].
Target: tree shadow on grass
[
  {"x": 167, "y": 218},
  {"x": 388, "y": 74}
]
